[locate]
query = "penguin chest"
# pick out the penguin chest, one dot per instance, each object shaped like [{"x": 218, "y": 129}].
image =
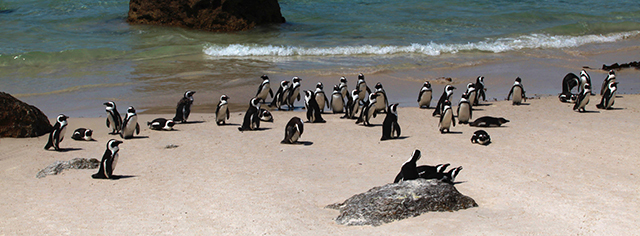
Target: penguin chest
[
  {"x": 464, "y": 113},
  {"x": 320, "y": 100},
  {"x": 472, "y": 97},
  {"x": 517, "y": 95},
  {"x": 130, "y": 126},
  {"x": 114, "y": 162},
  {"x": 611, "y": 100},
  {"x": 62, "y": 132},
  {"x": 585, "y": 101},
  {"x": 222, "y": 113},
  {"x": 371, "y": 110},
  {"x": 446, "y": 119},
  {"x": 111, "y": 121},
  {"x": 380, "y": 102},
  {"x": 264, "y": 92},
  {"x": 425, "y": 99},
  {"x": 338, "y": 103}
]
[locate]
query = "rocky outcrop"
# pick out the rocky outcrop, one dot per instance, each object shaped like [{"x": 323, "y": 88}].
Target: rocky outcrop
[
  {"x": 21, "y": 120},
  {"x": 211, "y": 15},
  {"x": 398, "y": 201},
  {"x": 75, "y": 163},
  {"x": 616, "y": 66}
]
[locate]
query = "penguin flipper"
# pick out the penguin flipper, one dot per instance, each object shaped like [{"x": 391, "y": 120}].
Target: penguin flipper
[
  {"x": 137, "y": 128},
  {"x": 397, "y": 129},
  {"x": 270, "y": 92},
  {"x": 108, "y": 123},
  {"x": 510, "y": 92},
  {"x": 227, "y": 113},
  {"x": 398, "y": 178}
]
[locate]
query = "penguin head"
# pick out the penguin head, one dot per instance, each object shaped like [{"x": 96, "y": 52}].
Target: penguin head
[
  {"x": 518, "y": 80},
  {"x": 393, "y": 108},
  {"x": 453, "y": 173},
  {"x": 255, "y": 102},
  {"x": 110, "y": 105},
  {"x": 284, "y": 84},
  {"x": 87, "y": 134},
  {"x": 583, "y": 73},
  {"x": 265, "y": 115},
  {"x": 373, "y": 96},
  {"x": 613, "y": 85},
  {"x": 360, "y": 76},
  {"x": 296, "y": 79},
  {"x": 62, "y": 119},
  {"x": 378, "y": 86},
  {"x": 586, "y": 88},
  {"x": 440, "y": 168},
  {"x": 264, "y": 77},
  {"x": 131, "y": 110},
  {"x": 449, "y": 88},
  {"x": 112, "y": 145},
  {"x": 189, "y": 94},
  {"x": 336, "y": 88},
  {"x": 480, "y": 80},
  {"x": 319, "y": 86},
  {"x": 355, "y": 94},
  {"x": 470, "y": 86},
  {"x": 415, "y": 156},
  {"x": 224, "y": 97},
  {"x": 169, "y": 125},
  {"x": 426, "y": 84},
  {"x": 343, "y": 79}
]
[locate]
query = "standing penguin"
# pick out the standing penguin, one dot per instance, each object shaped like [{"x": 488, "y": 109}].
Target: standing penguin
[
  {"x": 161, "y": 124},
  {"x": 425, "y": 95},
  {"x": 409, "y": 170},
  {"x": 368, "y": 110},
  {"x": 464, "y": 109},
  {"x": 611, "y": 78},
  {"x": 321, "y": 97},
  {"x": 447, "y": 118},
  {"x": 130, "y": 124},
  {"x": 222, "y": 110},
  {"x": 82, "y": 134},
  {"x": 294, "y": 92},
  {"x": 353, "y": 104},
  {"x": 337, "y": 101},
  {"x": 446, "y": 95},
  {"x": 609, "y": 96},
  {"x": 252, "y": 116},
  {"x": 57, "y": 134},
  {"x": 281, "y": 95},
  {"x": 344, "y": 90},
  {"x": 362, "y": 87},
  {"x": 390, "y": 124},
  {"x": 583, "y": 98},
  {"x": 293, "y": 130},
  {"x": 114, "y": 120},
  {"x": 264, "y": 89},
  {"x": 518, "y": 92},
  {"x": 568, "y": 83},
  {"x": 381, "y": 99},
  {"x": 471, "y": 91},
  {"x": 480, "y": 89},
  {"x": 585, "y": 79},
  {"x": 184, "y": 107},
  {"x": 109, "y": 160},
  {"x": 313, "y": 110}
]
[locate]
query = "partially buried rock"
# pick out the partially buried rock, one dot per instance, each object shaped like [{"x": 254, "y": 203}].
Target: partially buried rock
[
  {"x": 399, "y": 201},
  {"x": 21, "y": 120},
  {"x": 75, "y": 163}
]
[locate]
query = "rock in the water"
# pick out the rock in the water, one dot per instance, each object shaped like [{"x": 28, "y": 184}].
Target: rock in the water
[
  {"x": 398, "y": 201},
  {"x": 211, "y": 15},
  {"x": 75, "y": 163},
  {"x": 21, "y": 120}
]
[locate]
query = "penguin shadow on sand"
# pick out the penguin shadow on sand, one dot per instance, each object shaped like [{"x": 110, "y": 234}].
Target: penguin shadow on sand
[
  {"x": 117, "y": 177},
  {"x": 67, "y": 149},
  {"x": 136, "y": 137},
  {"x": 303, "y": 143},
  {"x": 191, "y": 122},
  {"x": 588, "y": 111}
]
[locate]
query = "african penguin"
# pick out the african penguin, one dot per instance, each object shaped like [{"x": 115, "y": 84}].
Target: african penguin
[
  {"x": 481, "y": 137},
  {"x": 82, "y": 134},
  {"x": 480, "y": 90},
  {"x": 265, "y": 115},
  {"x": 251, "y": 117},
  {"x": 569, "y": 81},
  {"x": 409, "y": 170},
  {"x": 222, "y": 110},
  {"x": 344, "y": 90},
  {"x": 425, "y": 95},
  {"x": 264, "y": 89},
  {"x": 450, "y": 176},
  {"x": 464, "y": 109},
  {"x": 488, "y": 121},
  {"x": 114, "y": 120},
  {"x": 57, "y": 134},
  {"x": 337, "y": 101},
  {"x": 611, "y": 78},
  {"x": 353, "y": 105},
  {"x": 390, "y": 126},
  {"x": 130, "y": 124},
  {"x": 381, "y": 99},
  {"x": 585, "y": 79},
  {"x": 426, "y": 172},
  {"x": 368, "y": 110},
  {"x": 109, "y": 160},
  {"x": 518, "y": 92},
  {"x": 471, "y": 91},
  {"x": 161, "y": 124},
  {"x": 281, "y": 95},
  {"x": 362, "y": 87},
  {"x": 293, "y": 130},
  {"x": 609, "y": 96},
  {"x": 447, "y": 118},
  {"x": 294, "y": 92},
  {"x": 321, "y": 97},
  {"x": 184, "y": 107},
  {"x": 313, "y": 110},
  {"x": 583, "y": 98},
  {"x": 446, "y": 95}
]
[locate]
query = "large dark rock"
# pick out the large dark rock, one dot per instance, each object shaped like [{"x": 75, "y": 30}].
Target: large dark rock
[
  {"x": 21, "y": 120},
  {"x": 399, "y": 201},
  {"x": 211, "y": 15}
]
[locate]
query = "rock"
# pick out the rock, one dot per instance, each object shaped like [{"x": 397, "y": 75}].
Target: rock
[
  {"x": 211, "y": 15},
  {"x": 75, "y": 163},
  {"x": 21, "y": 120},
  {"x": 398, "y": 201},
  {"x": 616, "y": 66}
]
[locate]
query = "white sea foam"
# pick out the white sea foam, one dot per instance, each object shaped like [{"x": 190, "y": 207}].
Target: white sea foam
[{"x": 532, "y": 41}]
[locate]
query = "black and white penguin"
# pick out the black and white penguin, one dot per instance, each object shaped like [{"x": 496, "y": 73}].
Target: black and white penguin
[
  {"x": 344, "y": 90},
  {"x": 611, "y": 78},
  {"x": 81, "y": 134},
  {"x": 114, "y": 120},
  {"x": 321, "y": 97},
  {"x": 518, "y": 92},
  {"x": 585, "y": 79},
  {"x": 368, "y": 110},
  {"x": 569, "y": 81},
  {"x": 427, "y": 172},
  {"x": 480, "y": 90},
  {"x": 109, "y": 160},
  {"x": 471, "y": 91},
  {"x": 294, "y": 92},
  {"x": 362, "y": 87},
  {"x": 425, "y": 95},
  {"x": 481, "y": 137},
  {"x": 293, "y": 130},
  {"x": 464, "y": 109},
  {"x": 353, "y": 105},
  {"x": 252, "y": 116},
  {"x": 281, "y": 95},
  {"x": 264, "y": 89},
  {"x": 161, "y": 124},
  {"x": 130, "y": 124},
  {"x": 488, "y": 121},
  {"x": 609, "y": 96},
  {"x": 390, "y": 126},
  {"x": 57, "y": 134},
  {"x": 222, "y": 109},
  {"x": 313, "y": 109},
  {"x": 184, "y": 107},
  {"x": 337, "y": 101},
  {"x": 381, "y": 100},
  {"x": 450, "y": 176},
  {"x": 265, "y": 115},
  {"x": 409, "y": 170},
  {"x": 446, "y": 95},
  {"x": 446, "y": 119},
  {"x": 583, "y": 98}
]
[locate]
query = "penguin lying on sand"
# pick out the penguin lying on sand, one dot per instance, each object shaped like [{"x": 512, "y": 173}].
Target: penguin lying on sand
[
  {"x": 82, "y": 134},
  {"x": 488, "y": 121},
  {"x": 481, "y": 137}
]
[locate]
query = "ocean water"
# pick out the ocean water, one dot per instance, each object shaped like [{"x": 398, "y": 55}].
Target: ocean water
[{"x": 69, "y": 56}]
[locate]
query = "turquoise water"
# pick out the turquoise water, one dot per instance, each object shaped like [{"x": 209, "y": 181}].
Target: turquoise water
[{"x": 84, "y": 51}]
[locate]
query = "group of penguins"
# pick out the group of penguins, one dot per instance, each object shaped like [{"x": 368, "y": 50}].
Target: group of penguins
[{"x": 583, "y": 84}]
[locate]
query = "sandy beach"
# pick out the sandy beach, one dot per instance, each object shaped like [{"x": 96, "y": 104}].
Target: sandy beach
[{"x": 549, "y": 171}]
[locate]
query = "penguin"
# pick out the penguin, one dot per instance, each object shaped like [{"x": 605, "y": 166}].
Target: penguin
[
  {"x": 585, "y": 79},
  {"x": 337, "y": 101},
  {"x": 57, "y": 134},
  {"x": 362, "y": 87},
  {"x": 222, "y": 109},
  {"x": 471, "y": 91},
  {"x": 569, "y": 81},
  {"x": 583, "y": 98},
  {"x": 161, "y": 124},
  {"x": 447, "y": 118},
  {"x": 450, "y": 176},
  {"x": 488, "y": 121},
  {"x": 609, "y": 96},
  {"x": 425, "y": 95},
  {"x": 481, "y": 137},
  {"x": 381, "y": 99},
  {"x": 130, "y": 124},
  {"x": 184, "y": 107},
  {"x": 82, "y": 134},
  {"x": 611, "y": 78},
  {"x": 353, "y": 105},
  {"x": 109, "y": 160},
  {"x": 281, "y": 95},
  {"x": 293, "y": 130},
  {"x": 265, "y": 115},
  {"x": 251, "y": 117},
  {"x": 264, "y": 89},
  {"x": 446, "y": 95},
  {"x": 518, "y": 92},
  {"x": 313, "y": 110},
  {"x": 114, "y": 120},
  {"x": 464, "y": 109},
  {"x": 426, "y": 172},
  {"x": 409, "y": 171},
  {"x": 390, "y": 124},
  {"x": 294, "y": 92},
  {"x": 344, "y": 90},
  {"x": 368, "y": 110},
  {"x": 480, "y": 90},
  {"x": 321, "y": 97}
]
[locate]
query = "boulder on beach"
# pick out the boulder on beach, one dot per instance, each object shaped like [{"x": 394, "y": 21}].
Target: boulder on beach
[
  {"x": 21, "y": 120},
  {"x": 398, "y": 201},
  {"x": 210, "y": 15}
]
